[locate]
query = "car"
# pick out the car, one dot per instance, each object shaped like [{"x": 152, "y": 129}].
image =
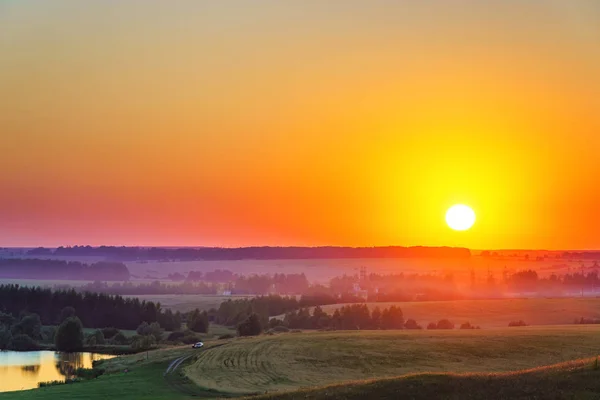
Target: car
[{"x": 197, "y": 345}]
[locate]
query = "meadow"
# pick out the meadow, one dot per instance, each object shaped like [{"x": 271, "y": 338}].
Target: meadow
[{"x": 495, "y": 313}]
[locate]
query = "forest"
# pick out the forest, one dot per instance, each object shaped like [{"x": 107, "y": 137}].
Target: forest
[
  {"x": 96, "y": 310},
  {"x": 15, "y": 268},
  {"x": 256, "y": 253}
]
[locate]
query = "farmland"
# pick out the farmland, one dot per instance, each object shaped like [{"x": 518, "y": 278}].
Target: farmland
[{"x": 298, "y": 360}]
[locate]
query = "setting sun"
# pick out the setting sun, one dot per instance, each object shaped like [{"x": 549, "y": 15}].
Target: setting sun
[{"x": 460, "y": 217}]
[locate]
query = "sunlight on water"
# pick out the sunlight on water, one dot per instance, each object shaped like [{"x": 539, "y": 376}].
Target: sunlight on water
[{"x": 24, "y": 370}]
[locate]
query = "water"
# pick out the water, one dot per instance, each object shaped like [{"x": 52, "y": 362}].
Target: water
[{"x": 24, "y": 370}]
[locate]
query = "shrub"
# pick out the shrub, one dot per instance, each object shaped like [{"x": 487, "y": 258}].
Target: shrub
[
  {"x": 109, "y": 332},
  {"x": 88, "y": 373},
  {"x": 190, "y": 338},
  {"x": 30, "y": 325},
  {"x": 280, "y": 329},
  {"x": 227, "y": 336},
  {"x": 467, "y": 325},
  {"x": 517, "y": 323},
  {"x": 120, "y": 338},
  {"x": 152, "y": 329},
  {"x": 412, "y": 324},
  {"x": 175, "y": 336},
  {"x": 432, "y": 325},
  {"x": 22, "y": 342},
  {"x": 445, "y": 324},
  {"x": 69, "y": 336}
]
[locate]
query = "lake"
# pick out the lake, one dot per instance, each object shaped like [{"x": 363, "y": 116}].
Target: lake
[{"x": 24, "y": 370}]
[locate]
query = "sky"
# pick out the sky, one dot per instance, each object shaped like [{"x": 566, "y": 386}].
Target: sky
[{"x": 235, "y": 123}]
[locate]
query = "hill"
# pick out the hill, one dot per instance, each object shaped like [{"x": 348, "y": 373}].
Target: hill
[
  {"x": 300, "y": 360},
  {"x": 578, "y": 379}
]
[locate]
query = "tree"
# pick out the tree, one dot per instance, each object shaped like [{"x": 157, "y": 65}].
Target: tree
[
  {"x": 411, "y": 324},
  {"x": 30, "y": 325},
  {"x": 392, "y": 318},
  {"x": 69, "y": 336},
  {"x": 143, "y": 342},
  {"x": 66, "y": 312},
  {"x": 432, "y": 325},
  {"x": 152, "y": 329},
  {"x": 22, "y": 342},
  {"x": 6, "y": 319},
  {"x": 198, "y": 321},
  {"x": 5, "y": 337},
  {"x": 251, "y": 326},
  {"x": 376, "y": 318},
  {"x": 445, "y": 324}
]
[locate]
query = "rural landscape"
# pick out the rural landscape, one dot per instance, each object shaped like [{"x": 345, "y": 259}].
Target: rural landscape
[{"x": 299, "y": 200}]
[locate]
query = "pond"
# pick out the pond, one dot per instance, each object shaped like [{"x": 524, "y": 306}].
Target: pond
[{"x": 24, "y": 370}]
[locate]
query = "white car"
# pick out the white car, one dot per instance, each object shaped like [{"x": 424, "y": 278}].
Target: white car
[{"x": 197, "y": 345}]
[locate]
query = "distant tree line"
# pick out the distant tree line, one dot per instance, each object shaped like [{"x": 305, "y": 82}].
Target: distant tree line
[
  {"x": 256, "y": 253},
  {"x": 95, "y": 310},
  {"x": 14, "y": 268}
]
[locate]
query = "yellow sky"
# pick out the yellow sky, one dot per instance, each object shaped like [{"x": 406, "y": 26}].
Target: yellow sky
[{"x": 312, "y": 123}]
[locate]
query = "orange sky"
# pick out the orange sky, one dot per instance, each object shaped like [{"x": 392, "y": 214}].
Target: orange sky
[{"x": 310, "y": 123}]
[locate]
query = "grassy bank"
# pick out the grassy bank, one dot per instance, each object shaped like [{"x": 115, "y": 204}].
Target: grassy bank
[{"x": 572, "y": 380}]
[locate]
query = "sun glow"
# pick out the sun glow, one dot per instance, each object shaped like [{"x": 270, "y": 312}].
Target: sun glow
[{"x": 460, "y": 217}]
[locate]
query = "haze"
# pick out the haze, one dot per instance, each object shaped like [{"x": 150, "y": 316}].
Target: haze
[{"x": 235, "y": 123}]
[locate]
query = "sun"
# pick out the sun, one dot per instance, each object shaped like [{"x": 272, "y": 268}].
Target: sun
[{"x": 460, "y": 217}]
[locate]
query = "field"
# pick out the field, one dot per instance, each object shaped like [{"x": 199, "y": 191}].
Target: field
[
  {"x": 496, "y": 313},
  {"x": 188, "y": 302},
  {"x": 298, "y": 360},
  {"x": 294, "y": 361},
  {"x": 578, "y": 379}
]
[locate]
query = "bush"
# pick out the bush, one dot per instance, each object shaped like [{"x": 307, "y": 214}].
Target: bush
[
  {"x": 69, "y": 336},
  {"x": 22, "y": 342},
  {"x": 227, "y": 336},
  {"x": 175, "y": 336},
  {"x": 152, "y": 329},
  {"x": 30, "y": 325},
  {"x": 251, "y": 326},
  {"x": 412, "y": 324},
  {"x": 280, "y": 329},
  {"x": 190, "y": 338},
  {"x": 445, "y": 324},
  {"x": 120, "y": 338},
  {"x": 143, "y": 342},
  {"x": 467, "y": 325},
  {"x": 109, "y": 332},
  {"x": 88, "y": 373},
  {"x": 432, "y": 325},
  {"x": 517, "y": 323}
]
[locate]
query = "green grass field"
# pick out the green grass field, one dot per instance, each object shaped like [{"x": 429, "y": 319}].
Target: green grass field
[
  {"x": 188, "y": 302},
  {"x": 495, "y": 313}
]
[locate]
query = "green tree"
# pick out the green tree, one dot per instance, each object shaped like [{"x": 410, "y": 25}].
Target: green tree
[
  {"x": 251, "y": 326},
  {"x": 198, "y": 321},
  {"x": 376, "y": 318},
  {"x": 5, "y": 337},
  {"x": 30, "y": 325},
  {"x": 22, "y": 342},
  {"x": 69, "y": 336},
  {"x": 152, "y": 329},
  {"x": 144, "y": 342},
  {"x": 66, "y": 312}
]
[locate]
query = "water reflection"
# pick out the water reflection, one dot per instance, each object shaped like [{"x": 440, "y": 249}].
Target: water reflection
[
  {"x": 30, "y": 369},
  {"x": 24, "y": 370}
]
